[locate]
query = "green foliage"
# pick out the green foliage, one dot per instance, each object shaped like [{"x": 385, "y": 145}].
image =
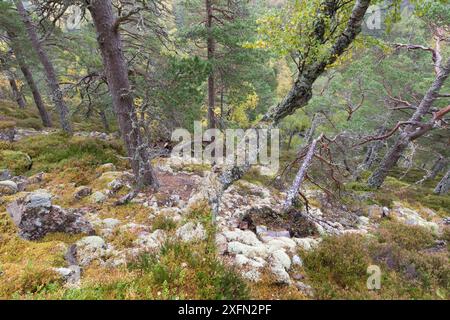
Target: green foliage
[{"x": 16, "y": 161}]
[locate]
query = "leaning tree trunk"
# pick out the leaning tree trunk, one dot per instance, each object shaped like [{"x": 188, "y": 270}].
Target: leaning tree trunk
[
  {"x": 116, "y": 71},
  {"x": 298, "y": 97},
  {"x": 46, "y": 121},
  {"x": 414, "y": 130},
  {"x": 439, "y": 165},
  {"x": 293, "y": 191},
  {"x": 444, "y": 185},
  {"x": 211, "y": 46},
  {"x": 17, "y": 95},
  {"x": 49, "y": 70}
]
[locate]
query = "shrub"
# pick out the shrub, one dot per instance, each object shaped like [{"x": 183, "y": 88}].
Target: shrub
[
  {"x": 16, "y": 161},
  {"x": 338, "y": 263},
  {"x": 405, "y": 236}
]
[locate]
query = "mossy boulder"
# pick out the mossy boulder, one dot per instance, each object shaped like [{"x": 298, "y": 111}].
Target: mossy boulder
[{"x": 16, "y": 161}]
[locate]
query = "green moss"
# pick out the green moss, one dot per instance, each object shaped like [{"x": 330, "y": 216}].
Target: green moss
[
  {"x": 56, "y": 151},
  {"x": 358, "y": 186},
  {"x": 16, "y": 161}
]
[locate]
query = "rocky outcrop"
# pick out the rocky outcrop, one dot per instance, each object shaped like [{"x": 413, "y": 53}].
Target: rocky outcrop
[{"x": 35, "y": 216}]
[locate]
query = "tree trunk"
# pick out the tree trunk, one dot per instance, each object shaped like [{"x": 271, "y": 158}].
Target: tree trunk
[
  {"x": 293, "y": 191},
  {"x": 46, "y": 121},
  {"x": 412, "y": 131},
  {"x": 116, "y": 71},
  {"x": 444, "y": 185},
  {"x": 373, "y": 150},
  {"x": 49, "y": 70},
  {"x": 17, "y": 95},
  {"x": 105, "y": 123},
  {"x": 298, "y": 97},
  {"x": 439, "y": 165},
  {"x": 211, "y": 46}
]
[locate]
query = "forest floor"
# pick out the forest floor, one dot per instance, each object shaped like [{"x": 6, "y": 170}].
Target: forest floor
[{"x": 163, "y": 245}]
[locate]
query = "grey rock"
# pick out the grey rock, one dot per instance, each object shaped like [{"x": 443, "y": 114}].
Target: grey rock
[
  {"x": 297, "y": 261},
  {"x": 191, "y": 232},
  {"x": 5, "y": 174},
  {"x": 35, "y": 216},
  {"x": 279, "y": 258},
  {"x": 8, "y": 187},
  {"x": 110, "y": 223},
  {"x": 304, "y": 288},
  {"x": 89, "y": 249},
  {"x": 71, "y": 274},
  {"x": 98, "y": 197},
  {"x": 280, "y": 274},
  {"x": 82, "y": 192}
]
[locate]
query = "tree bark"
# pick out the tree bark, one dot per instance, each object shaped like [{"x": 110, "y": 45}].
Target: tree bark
[
  {"x": 17, "y": 95},
  {"x": 373, "y": 150},
  {"x": 46, "y": 120},
  {"x": 49, "y": 70},
  {"x": 412, "y": 131},
  {"x": 211, "y": 46},
  {"x": 116, "y": 70},
  {"x": 444, "y": 185},
  {"x": 105, "y": 123},
  {"x": 439, "y": 165},
  {"x": 293, "y": 191}
]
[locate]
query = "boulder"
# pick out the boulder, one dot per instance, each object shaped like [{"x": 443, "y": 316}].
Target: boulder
[
  {"x": 280, "y": 274},
  {"x": 82, "y": 192},
  {"x": 246, "y": 237},
  {"x": 35, "y": 216},
  {"x": 71, "y": 274},
  {"x": 297, "y": 261},
  {"x": 191, "y": 232},
  {"x": 98, "y": 197},
  {"x": 5, "y": 174},
  {"x": 8, "y": 187},
  {"x": 151, "y": 241},
  {"x": 279, "y": 258},
  {"x": 235, "y": 247},
  {"x": 87, "y": 250}
]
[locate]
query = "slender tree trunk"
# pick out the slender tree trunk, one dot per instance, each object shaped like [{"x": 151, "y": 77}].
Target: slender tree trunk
[
  {"x": 412, "y": 131},
  {"x": 439, "y": 165},
  {"x": 50, "y": 73},
  {"x": 17, "y": 95},
  {"x": 16, "y": 49},
  {"x": 373, "y": 150},
  {"x": 105, "y": 123},
  {"x": 444, "y": 185},
  {"x": 116, "y": 71},
  {"x": 46, "y": 120},
  {"x": 293, "y": 191},
  {"x": 291, "y": 135},
  {"x": 211, "y": 47}
]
